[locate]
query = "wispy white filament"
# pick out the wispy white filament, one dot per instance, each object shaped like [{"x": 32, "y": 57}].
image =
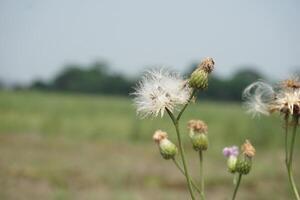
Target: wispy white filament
[
  {"x": 261, "y": 98},
  {"x": 160, "y": 90},
  {"x": 257, "y": 98}
]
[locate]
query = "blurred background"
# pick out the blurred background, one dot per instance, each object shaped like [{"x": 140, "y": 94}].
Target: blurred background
[{"x": 68, "y": 128}]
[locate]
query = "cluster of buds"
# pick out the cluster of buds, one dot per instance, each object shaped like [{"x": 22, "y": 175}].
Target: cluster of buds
[
  {"x": 244, "y": 162},
  {"x": 199, "y": 78},
  {"x": 167, "y": 149},
  {"x": 240, "y": 163},
  {"x": 198, "y": 134}
]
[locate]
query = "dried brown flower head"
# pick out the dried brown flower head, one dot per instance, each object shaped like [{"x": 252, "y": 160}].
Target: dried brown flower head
[
  {"x": 248, "y": 149},
  {"x": 207, "y": 65},
  {"x": 197, "y": 126},
  {"x": 293, "y": 83},
  {"x": 159, "y": 135}
]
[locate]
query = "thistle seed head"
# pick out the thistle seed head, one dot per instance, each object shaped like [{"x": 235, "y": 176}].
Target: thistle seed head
[
  {"x": 160, "y": 90},
  {"x": 262, "y": 98}
]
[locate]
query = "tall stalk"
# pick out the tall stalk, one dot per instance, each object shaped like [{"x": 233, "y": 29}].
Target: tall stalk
[
  {"x": 290, "y": 158},
  {"x": 182, "y": 154},
  {"x": 286, "y": 129},
  {"x": 201, "y": 175},
  {"x": 181, "y": 149},
  {"x": 237, "y": 186}
]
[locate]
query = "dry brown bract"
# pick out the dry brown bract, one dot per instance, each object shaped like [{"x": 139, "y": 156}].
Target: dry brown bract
[
  {"x": 291, "y": 83},
  {"x": 248, "y": 149},
  {"x": 159, "y": 135},
  {"x": 207, "y": 64},
  {"x": 197, "y": 126}
]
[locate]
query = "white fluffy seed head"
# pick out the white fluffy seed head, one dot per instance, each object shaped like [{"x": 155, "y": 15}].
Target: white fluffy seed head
[
  {"x": 261, "y": 98},
  {"x": 258, "y": 97},
  {"x": 286, "y": 101},
  {"x": 160, "y": 90}
]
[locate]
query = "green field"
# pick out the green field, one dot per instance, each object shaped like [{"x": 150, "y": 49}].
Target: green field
[{"x": 64, "y": 146}]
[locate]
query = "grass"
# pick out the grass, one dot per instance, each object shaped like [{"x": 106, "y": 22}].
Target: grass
[{"x": 63, "y": 146}]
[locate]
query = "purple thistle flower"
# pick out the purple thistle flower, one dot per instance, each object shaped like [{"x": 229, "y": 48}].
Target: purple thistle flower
[{"x": 231, "y": 151}]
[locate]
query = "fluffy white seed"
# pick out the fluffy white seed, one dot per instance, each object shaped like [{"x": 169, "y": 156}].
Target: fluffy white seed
[
  {"x": 257, "y": 98},
  {"x": 160, "y": 90}
]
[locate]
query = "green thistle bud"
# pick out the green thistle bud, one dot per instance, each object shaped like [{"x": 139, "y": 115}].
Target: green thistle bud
[
  {"x": 199, "y": 141},
  {"x": 198, "y": 134},
  {"x": 231, "y": 164},
  {"x": 199, "y": 78},
  {"x": 167, "y": 149},
  {"x": 243, "y": 164}
]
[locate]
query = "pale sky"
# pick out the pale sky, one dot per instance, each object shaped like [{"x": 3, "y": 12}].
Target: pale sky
[{"x": 37, "y": 37}]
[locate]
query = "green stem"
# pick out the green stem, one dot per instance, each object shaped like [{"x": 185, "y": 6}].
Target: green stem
[
  {"x": 182, "y": 171},
  {"x": 286, "y": 128},
  {"x": 185, "y": 106},
  {"x": 201, "y": 175},
  {"x": 181, "y": 151},
  {"x": 290, "y": 159},
  {"x": 237, "y": 186}
]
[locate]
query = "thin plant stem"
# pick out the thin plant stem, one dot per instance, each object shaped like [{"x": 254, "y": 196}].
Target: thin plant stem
[
  {"x": 201, "y": 175},
  {"x": 182, "y": 171},
  {"x": 235, "y": 177},
  {"x": 237, "y": 186},
  {"x": 290, "y": 159},
  {"x": 181, "y": 151},
  {"x": 286, "y": 128},
  {"x": 185, "y": 106}
]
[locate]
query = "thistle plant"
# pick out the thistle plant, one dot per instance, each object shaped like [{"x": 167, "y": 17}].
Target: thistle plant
[
  {"x": 239, "y": 164},
  {"x": 160, "y": 92},
  {"x": 284, "y": 98}
]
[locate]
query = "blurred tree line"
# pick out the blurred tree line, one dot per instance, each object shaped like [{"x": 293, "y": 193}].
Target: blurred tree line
[
  {"x": 97, "y": 79},
  {"x": 93, "y": 79}
]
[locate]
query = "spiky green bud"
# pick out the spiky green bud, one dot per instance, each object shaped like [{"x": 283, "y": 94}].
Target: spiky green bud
[
  {"x": 199, "y": 79},
  {"x": 167, "y": 149},
  {"x": 199, "y": 141},
  {"x": 243, "y": 164}
]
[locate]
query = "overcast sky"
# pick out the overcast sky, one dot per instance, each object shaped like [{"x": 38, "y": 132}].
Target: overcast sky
[{"x": 38, "y": 37}]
